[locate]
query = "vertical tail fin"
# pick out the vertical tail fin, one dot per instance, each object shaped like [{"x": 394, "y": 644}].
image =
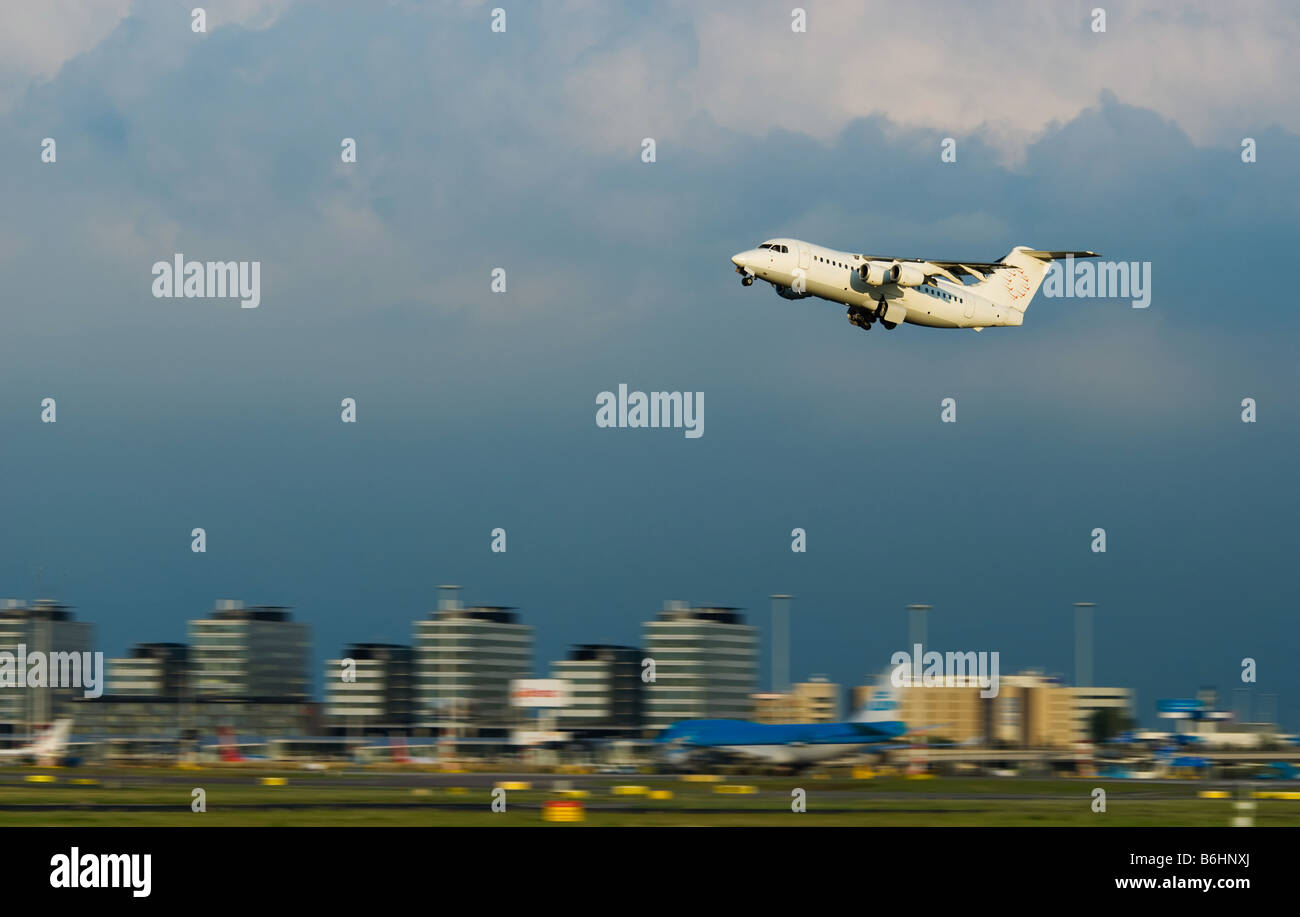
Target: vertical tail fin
[
  {"x": 52, "y": 744},
  {"x": 882, "y": 704},
  {"x": 1016, "y": 284},
  {"x": 226, "y": 738}
]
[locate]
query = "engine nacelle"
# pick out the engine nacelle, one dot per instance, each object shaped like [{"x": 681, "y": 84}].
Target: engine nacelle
[
  {"x": 877, "y": 272},
  {"x": 789, "y": 293},
  {"x": 882, "y": 272},
  {"x": 908, "y": 275}
]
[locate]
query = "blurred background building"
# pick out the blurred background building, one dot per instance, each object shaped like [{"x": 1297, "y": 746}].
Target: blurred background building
[
  {"x": 259, "y": 651},
  {"x": 369, "y": 690},
  {"x": 151, "y": 669},
  {"x": 606, "y": 695},
  {"x": 705, "y": 662},
  {"x": 1031, "y": 710},
  {"x": 465, "y": 659},
  {"x": 245, "y": 671},
  {"x": 42, "y": 626},
  {"x": 814, "y": 701}
]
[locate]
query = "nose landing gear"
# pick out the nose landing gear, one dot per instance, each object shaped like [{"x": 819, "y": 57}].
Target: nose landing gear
[{"x": 747, "y": 280}]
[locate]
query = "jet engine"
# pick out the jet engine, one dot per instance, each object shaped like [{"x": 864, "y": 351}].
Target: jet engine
[
  {"x": 877, "y": 272},
  {"x": 881, "y": 272}
]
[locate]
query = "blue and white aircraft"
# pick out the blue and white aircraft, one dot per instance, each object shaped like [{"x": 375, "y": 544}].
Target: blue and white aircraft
[{"x": 795, "y": 745}]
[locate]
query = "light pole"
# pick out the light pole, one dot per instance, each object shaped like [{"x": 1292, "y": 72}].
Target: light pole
[
  {"x": 1083, "y": 644},
  {"x": 916, "y": 615}
]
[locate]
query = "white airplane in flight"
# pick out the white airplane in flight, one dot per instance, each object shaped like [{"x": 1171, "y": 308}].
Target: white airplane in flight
[{"x": 894, "y": 290}]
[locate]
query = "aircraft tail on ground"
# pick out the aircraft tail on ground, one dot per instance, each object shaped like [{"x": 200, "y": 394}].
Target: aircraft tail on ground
[
  {"x": 882, "y": 704},
  {"x": 54, "y": 741},
  {"x": 226, "y": 741}
]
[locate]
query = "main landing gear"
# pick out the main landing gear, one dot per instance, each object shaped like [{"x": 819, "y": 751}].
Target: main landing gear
[
  {"x": 881, "y": 307},
  {"x": 861, "y": 317},
  {"x": 864, "y": 318}
]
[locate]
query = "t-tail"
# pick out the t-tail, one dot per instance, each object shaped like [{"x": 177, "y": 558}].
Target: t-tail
[{"x": 1016, "y": 284}]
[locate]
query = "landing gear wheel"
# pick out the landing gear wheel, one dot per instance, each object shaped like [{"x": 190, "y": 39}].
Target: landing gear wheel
[
  {"x": 860, "y": 317},
  {"x": 747, "y": 281},
  {"x": 889, "y": 326}
]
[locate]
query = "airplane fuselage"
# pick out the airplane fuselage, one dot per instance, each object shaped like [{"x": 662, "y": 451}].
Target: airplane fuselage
[
  {"x": 784, "y": 744},
  {"x": 834, "y": 275}
]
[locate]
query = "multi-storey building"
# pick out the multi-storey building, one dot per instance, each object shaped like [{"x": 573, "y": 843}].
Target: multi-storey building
[
  {"x": 705, "y": 660},
  {"x": 605, "y": 689},
  {"x": 465, "y": 659},
  {"x": 369, "y": 689},
  {"x": 45, "y": 627}
]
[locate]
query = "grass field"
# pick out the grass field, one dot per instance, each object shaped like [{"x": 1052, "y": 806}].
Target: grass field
[{"x": 238, "y": 796}]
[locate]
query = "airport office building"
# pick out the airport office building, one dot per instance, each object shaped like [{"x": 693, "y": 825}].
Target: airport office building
[
  {"x": 43, "y": 626},
  {"x": 606, "y": 696},
  {"x": 1030, "y": 710},
  {"x": 370, "y": 690},
  {"x": 244, "y": 669},
  {"x": 705, "y": 664},
  {"x": 465, "y": 659}
]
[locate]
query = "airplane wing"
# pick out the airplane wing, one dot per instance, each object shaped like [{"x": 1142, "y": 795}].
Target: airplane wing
[{"x": 977, "y": 269}]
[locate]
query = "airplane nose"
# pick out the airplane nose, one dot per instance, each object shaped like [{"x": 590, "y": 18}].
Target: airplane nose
[{"x": 738, "y": 259}]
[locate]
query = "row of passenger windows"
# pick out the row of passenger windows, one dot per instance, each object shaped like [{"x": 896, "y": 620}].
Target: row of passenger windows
[
  {"x": 829, "y": 261},
  {"x": 935, "y": 291}
]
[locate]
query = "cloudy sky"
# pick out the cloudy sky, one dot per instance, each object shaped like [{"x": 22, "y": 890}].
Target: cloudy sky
[{"x": 521, "y": 150}]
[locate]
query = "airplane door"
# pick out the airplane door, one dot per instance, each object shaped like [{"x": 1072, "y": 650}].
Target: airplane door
[
  {"x": 970, "y": 305},
  {"x": 805, "y": 255}
]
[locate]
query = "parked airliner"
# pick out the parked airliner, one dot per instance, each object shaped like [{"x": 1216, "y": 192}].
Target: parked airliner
[
  {"x": 689, "y": 743},
  {"x": 894, "y": 290}
]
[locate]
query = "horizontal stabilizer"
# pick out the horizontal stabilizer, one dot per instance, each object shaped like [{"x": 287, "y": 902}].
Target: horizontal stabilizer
[{"x": 1056, "y": 256}]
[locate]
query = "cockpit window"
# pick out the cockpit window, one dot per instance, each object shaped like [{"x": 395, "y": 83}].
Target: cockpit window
[
  {"x": 784, "y": 250},
  {"x": 766, "y": 245}
]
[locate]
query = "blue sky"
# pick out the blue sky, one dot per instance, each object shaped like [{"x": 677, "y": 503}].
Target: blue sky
[{"x": 476, "y": 409}]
